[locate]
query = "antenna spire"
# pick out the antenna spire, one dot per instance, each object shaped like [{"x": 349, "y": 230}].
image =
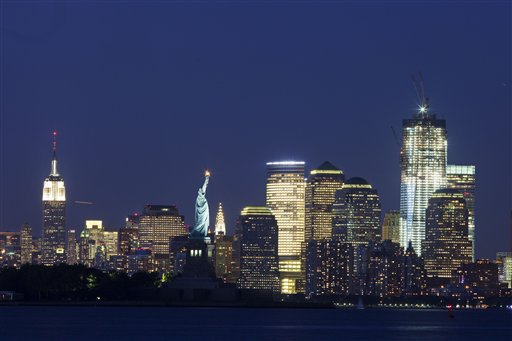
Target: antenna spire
[
  {"x": 54, "y": 171},
  {"x": 420, "y": 92}
]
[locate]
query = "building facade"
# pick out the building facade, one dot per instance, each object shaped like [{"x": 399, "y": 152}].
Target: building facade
[
  {"x": 157, "y": 226},
  {"x": 446, "y": 245},
  {"x": 423, "y": 160},
  {"x": 463, "y": 179},
  {"x": 320, "y": 195},
  {"x": 357, "y": 213},
  {"x": 223, "y": 258},
  {"x": 258, "y": 249},
  {"x": 504, "y": 261},
  {"x": 72, "y": 247},
  {"x": 285, "y": 195},
  {"x": 26, "y": 244},
  {"x": 391, "y": 226},
  {"x": 329, "y": 267}
]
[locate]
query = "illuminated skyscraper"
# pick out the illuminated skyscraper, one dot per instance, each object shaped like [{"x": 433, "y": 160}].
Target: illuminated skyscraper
[
  {"x": 321, "y": 255},
  {"x": 446, "y": 245},
  {"x": 129, "y": 236},
  {"x": 220, "y": 225},
  {"x": 258, "y": 249},
  {"x": 72, "y": 247},
  {"x": 157, "y": 226},
  {"x": 504, "y": 261},
  {"x": 26, "y": 244},
  {"x": 357, "y": 213},
  {"x": 462, "y": 178},
  {"x": 423, "y": 171},
  {"x": 356, "y": 221},
  {"x": 54, "y": 215},
  {"x": 321, "y": 188},
  {"x": 391, "y": 226},
  {"x": 224, "y": 258},
  {"x": 285, "y": 198},
  {"x": 91, "y": 239}
]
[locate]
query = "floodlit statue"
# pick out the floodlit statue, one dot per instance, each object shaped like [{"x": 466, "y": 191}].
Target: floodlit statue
[{"x": 202, "y": 215}]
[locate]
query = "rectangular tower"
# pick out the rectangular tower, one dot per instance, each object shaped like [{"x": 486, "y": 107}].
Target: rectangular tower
[
  {"x": 26, "y": 244},
  {"x": 463, "y": 179},
  {"x": 258, "y": 249},
  {"x": 157, "y": 226},
  {"x": 285, "y": 198}
]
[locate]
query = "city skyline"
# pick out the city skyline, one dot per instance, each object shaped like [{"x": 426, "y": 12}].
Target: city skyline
[{"x": 257, "y": 109}]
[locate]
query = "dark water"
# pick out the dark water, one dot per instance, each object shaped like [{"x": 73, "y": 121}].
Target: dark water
[{"x": 149, "y": 323}]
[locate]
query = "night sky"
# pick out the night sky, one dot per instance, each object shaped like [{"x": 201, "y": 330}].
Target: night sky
[{"x": 146, "y": 95}]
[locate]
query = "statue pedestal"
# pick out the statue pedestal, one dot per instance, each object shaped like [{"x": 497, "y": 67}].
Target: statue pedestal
[
  {"x": 198, "y": 263},
  {"x": 198, "y": 272}
]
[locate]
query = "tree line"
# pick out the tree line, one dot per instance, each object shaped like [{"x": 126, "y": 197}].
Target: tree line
[{"x": 77, "y": 283}]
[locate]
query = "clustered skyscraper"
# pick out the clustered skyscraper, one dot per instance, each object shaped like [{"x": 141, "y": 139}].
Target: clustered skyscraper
[{"x": 319, "y": 235}]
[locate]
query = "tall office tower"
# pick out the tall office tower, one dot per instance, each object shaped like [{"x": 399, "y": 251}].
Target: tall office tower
[
  {"x": 391, "y": 226},
  {"x": 423, "y": 171},
  {"x": 321, "y": 188},
  {"x": 72, "y": 247},
  {"x": 157, "y": 226},
  {"x": 223, "y": 259},
  {"x": 128, "y": 240},
  {"x": 91, "y": 239},
  {"x": 220, "y": 225},
  {"x": 446, "y": 245},
  {"x": 356, "y": 221},
  {"x": 356, "y": 213},
  {"x": 463, "y": 178},
  {"x": 504, "y": 261},
  {"x": 54, "y": 215},
  {"x": 110, "y": 240},
  {"x": 258, "y": 249},
  {"x": 26, "y": 244},
  {"x": 285, "y": 198},
  {"x": 413, "y": 273}
]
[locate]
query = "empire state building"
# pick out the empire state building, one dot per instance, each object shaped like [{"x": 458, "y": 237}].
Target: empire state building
[{"x": 54, "y": 215}]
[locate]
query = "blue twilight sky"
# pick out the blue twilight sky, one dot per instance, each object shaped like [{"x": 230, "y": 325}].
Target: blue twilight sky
[{"x": 147, "y": 94}]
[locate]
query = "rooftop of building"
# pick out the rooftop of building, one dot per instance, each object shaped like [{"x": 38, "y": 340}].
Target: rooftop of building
[{"x": 256, "y": 210}]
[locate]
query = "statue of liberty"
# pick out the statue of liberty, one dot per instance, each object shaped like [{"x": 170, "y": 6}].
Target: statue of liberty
[{"x": 202, "y": 215}]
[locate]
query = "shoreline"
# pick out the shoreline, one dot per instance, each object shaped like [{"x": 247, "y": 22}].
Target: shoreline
[{"x": 273, "y": 305}]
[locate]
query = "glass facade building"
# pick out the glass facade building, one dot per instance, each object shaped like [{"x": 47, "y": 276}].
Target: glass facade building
[
  {"x": 357, "y": 213},
  {"x": 157, "y": 226},
  {"x": 258, "y": 249},
  {"x": 446, "y": 245},
  {"x": 26, "y": 244},
  {"x": 321, "y": 188},
  {"x": 463, "y": 178},
  {"x": 423, "y": 158},
  {"x": 285, "y": 195}
]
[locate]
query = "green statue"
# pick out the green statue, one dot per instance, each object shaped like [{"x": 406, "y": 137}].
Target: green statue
[{"x": 202, "y": 216}]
